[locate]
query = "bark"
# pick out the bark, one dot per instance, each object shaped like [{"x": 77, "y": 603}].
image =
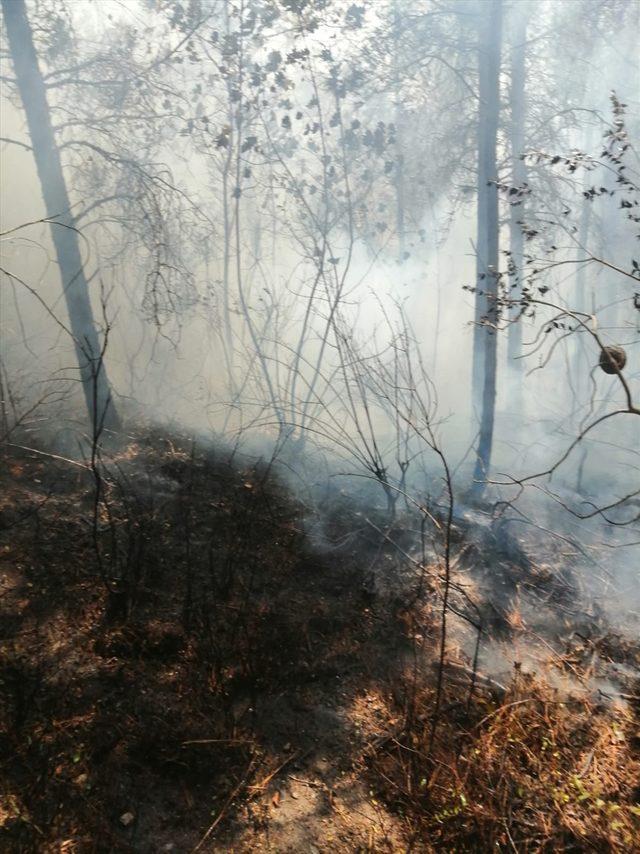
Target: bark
[
  {"x": 33, "y": 94},
  {"x": 487, "y": 249}
]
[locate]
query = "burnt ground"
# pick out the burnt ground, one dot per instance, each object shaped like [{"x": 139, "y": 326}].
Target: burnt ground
[
  {"x": 184, "y": 668},
  {"x": 218, "y": 681}
]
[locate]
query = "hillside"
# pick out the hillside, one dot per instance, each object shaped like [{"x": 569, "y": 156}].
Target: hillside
[{"x": 231, "y": 684}]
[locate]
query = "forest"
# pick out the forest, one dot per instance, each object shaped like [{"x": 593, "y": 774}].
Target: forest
[{"x": 319, "y": 426}]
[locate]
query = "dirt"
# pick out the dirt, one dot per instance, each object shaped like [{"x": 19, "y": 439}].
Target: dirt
[{"x": 187, "y": 665}]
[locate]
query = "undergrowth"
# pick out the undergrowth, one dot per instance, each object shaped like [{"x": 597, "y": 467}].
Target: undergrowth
[
  {"x": 528, "y": 772},
  {"x": 162, "y": 652}
]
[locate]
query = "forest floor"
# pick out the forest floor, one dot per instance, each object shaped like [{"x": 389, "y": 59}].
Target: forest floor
[{"x": 184, "y": 668}]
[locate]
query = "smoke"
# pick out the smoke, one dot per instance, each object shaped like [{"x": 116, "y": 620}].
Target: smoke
[{"x": 228, "y": 268}]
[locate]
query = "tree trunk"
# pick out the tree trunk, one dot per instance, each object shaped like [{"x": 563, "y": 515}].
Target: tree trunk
[
  {"x": 581, "y": 302},
  {"x": 437, "y": 282},
  {"x": 485, "y": 335},
  {"x": 516, "y": 212},
  {"x": 56, "y": 199},
  {"x": 398, "y": 110}
]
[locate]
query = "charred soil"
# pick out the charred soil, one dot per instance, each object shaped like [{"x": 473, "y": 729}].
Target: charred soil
[{"x": 183, "y": 668}]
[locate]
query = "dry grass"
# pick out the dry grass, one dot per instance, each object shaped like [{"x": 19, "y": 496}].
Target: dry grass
[{"x": 530, "y": 772}]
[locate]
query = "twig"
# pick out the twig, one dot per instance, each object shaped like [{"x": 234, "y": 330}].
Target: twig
[
  {"x": 216, "y": 741},
  {"x": 52, "y": 456},
  {"x": 262, "y": 785},
  {"x": 228, "y": 803}
]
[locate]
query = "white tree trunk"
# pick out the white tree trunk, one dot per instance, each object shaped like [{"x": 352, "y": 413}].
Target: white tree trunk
[
  {"x": 485, "y": 337},
  {"x": 517, "y": 212}
]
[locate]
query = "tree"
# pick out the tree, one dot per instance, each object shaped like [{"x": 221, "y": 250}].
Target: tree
[
  {"x": 517, "y": 103},
  {"x": 30, "y": 83},
  {"x": 610, "y": 407},
  {"x": 485, "y": 330}
]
